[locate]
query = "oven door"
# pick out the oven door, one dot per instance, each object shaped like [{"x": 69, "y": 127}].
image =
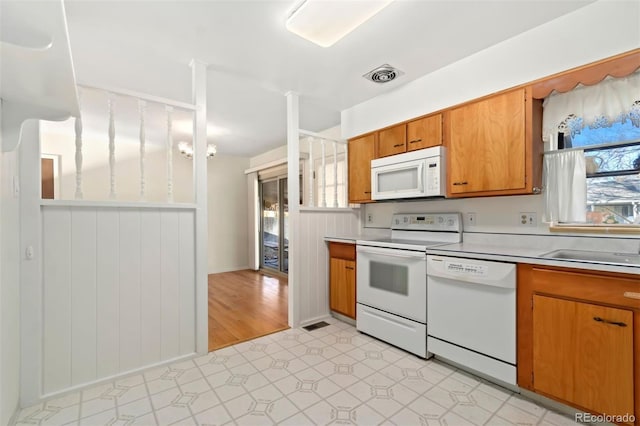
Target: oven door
[{"x": 393, "y": 280}]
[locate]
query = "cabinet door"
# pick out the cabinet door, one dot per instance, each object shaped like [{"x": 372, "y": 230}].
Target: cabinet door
[
  {"x": 487, "y": 146},
  {"x": 392, "y": 141},
  {"x": 583, "y": 354},
  {"x": 361, "y": 152},
  {"x": 342, "y": 286},
  {"x": 424, "y": 133}
]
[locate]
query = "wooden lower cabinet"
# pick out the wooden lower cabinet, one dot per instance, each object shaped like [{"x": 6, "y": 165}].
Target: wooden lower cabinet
[
  {"x": 579, "y": 338},
  {"x": 343, "y": 287},
  {"x": 583, "y": 354},
  {"x": 342, "y": 279}
]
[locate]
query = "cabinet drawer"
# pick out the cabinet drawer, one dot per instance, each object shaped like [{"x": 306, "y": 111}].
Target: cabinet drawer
[
  {"x": 342, "y": 251},
  {"x": 602, "y": 288}
]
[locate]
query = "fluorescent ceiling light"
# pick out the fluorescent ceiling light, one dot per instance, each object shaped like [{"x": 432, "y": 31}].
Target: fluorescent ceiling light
[{"x": 324, "y": 22}]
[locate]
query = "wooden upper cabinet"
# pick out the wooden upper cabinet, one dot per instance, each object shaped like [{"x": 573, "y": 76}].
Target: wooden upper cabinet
[
  {"x": 424, "y": 132},
  {"x": 495, "y": 146},
  {"x": 392, "y": 141},
  {"x": 361, "y": 152}
]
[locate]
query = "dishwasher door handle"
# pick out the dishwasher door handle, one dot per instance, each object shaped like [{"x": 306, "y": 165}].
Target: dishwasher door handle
[
  {"x": 473, "y": 281},
  {"x": 472, "y": 271}
]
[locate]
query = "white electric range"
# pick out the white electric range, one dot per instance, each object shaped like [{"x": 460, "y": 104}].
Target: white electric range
[{"x": 392, "y": 278}]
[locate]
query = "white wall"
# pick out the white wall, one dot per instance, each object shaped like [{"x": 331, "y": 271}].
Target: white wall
[
  {"x": 599, "y": 30},
  {"x": 118, "y": 291},
  {"x": 227, "y": 188},
  {"x": 9, "y": 288},
  {"x": 594, "y": 32},
  {"x": 228, "y": 213},
  {"x": 276, "y": 154},
  {"x": 313, "y": 258},
  {"x": 95, "y": 169},
  {"x": 493, "y": 214}
]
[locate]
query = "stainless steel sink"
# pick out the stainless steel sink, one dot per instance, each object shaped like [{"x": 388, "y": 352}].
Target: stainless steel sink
[{"x": 594, "y": 256}]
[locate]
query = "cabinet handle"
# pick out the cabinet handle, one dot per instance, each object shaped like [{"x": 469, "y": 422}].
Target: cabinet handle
[
  {"x": 349, "y": 267},
  {"x": 415, "y": 141},
  {"x": 367, "y": 192},
  {"x": 618, "y": 323},
  {"x": 398, "y": 145},
  {"x": 460, "y": 183}
]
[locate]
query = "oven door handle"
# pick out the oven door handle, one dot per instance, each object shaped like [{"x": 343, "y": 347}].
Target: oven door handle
[{"x": 392, "y": 252}]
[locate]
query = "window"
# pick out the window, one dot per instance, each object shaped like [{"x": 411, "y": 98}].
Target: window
[
  {"x": 604, "y": 121},
  {"x": 613, "y": 184},
  {"x": 329, "y": 181}
]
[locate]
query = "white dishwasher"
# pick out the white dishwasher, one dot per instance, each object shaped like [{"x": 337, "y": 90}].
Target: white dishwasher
[{"x": 471, "y": 314}]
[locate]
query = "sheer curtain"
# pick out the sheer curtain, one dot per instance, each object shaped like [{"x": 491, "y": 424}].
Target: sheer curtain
[
  {"x": 611, "y": 100},
  {"x": 565, "y": 183}
]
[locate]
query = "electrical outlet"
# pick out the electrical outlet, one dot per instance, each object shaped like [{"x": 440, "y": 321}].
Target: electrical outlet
[
  {"x": 470, "y": 219},
  {"x": 369, "y": 218},
  {"x": 528, "y": 219}
]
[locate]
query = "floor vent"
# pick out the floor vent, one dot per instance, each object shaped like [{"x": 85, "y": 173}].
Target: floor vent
[{"x": 316, "y": 325}]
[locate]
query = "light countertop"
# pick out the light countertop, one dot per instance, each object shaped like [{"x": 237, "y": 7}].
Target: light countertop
[
  {"x": 524, "y": 255},
  {"x": 525, "y": 249}
]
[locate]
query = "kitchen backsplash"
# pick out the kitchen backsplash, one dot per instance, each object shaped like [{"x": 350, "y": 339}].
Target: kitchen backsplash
[{"x": 491, "y": 214}]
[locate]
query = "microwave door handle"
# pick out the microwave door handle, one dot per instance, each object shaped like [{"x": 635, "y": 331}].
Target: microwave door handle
[{"x": 421, "y": 177}]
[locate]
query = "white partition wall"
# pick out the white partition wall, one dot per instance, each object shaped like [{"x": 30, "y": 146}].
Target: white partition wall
[
  {"x": 119, "y": 291},
  {"x": 313, "y": 288},
  {"x": 113, "y": 286}
]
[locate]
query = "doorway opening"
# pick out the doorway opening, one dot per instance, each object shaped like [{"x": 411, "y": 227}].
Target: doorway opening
[{"x": 274, "y": 225}]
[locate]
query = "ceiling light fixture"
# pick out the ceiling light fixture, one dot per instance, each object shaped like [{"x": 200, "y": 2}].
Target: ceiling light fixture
[
  {"x": 324, "y": 22},
  {"x": 186, "y": 149}
]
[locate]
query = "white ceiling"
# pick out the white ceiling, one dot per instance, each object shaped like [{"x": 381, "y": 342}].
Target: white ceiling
[{"x": 147, "y": 45}]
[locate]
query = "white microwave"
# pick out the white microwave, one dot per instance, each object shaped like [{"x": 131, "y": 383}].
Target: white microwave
[{"x": 415, "y": 174}]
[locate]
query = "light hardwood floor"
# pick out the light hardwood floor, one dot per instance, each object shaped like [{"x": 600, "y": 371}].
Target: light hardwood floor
[{"x": 244, "y": 305}]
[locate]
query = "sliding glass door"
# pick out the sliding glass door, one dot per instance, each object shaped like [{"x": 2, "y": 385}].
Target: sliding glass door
[{"x": 274, "y": 226}]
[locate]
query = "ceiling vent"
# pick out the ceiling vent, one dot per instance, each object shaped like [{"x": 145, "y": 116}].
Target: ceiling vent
[{"x": 383, "y": 74}]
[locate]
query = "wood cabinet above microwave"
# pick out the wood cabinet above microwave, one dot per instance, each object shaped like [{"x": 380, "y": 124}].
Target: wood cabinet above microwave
[
  {"x": 495, "y": 146},
  {"x": 421, "y": 133}
]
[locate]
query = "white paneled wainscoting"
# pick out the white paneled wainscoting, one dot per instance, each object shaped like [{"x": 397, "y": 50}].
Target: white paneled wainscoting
[
  {"x": 312, "y": 267},
  {"x": 118, "y": 291}
]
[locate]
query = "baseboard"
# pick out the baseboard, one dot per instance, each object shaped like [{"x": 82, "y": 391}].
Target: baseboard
[
  {"x": 343, "y": 318},
  {"x": 108, "y": 379},
  {"x": 231, "y": 269},
  {"x": 314, "y": 320},
  {"x": 14, "y": 417},
  {"x": 273, "y": 273}
]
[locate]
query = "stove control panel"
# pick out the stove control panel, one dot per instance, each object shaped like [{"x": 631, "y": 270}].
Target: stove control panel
[{"x": 451, "y": 222}]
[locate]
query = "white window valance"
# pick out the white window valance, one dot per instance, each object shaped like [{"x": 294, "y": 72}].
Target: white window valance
[{"x": 612, "y": 100}]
